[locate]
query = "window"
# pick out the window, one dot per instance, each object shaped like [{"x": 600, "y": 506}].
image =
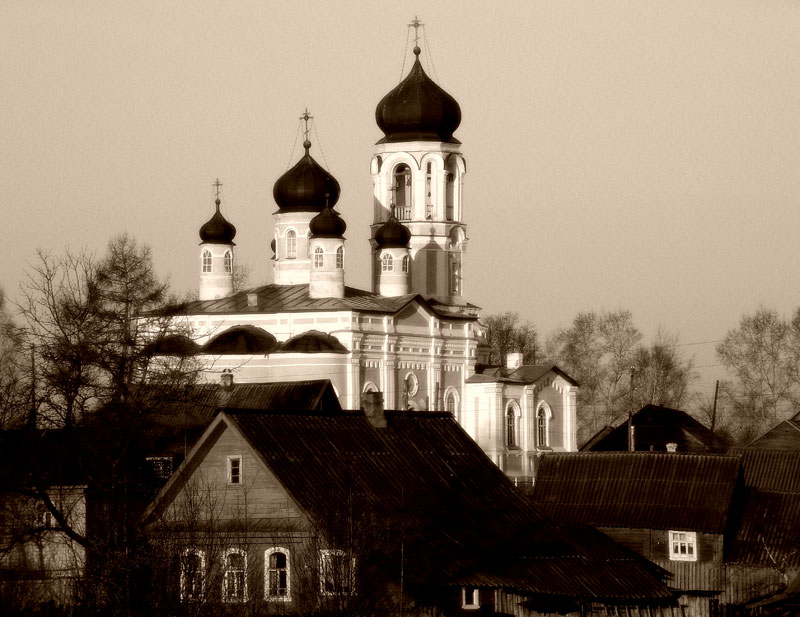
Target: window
[
  {"x": 318, "y": 258},
  {"x": 470, "y": 598},
  {"x": 428, "y": 190},
  {"x": 387, "y": 265},
  {"x": 235, "y": 469},
  {"x": 542, "y": 422},
  {"x": 455, "y": 279},
  {"x": 412, "y": 384},
  {"x": 228, "y": 262},
  {"x": 206, "y": 261},
  {"x": 406, "y": 261},
  {"x": 337, "y": 573},
  {"x": 234, "y": 581},
  {"x": 193, "y": 575},
  {"x": 402, "y": 192},
  {"x": 683, "y": 545},
  {"x": 512, "y": 411},
  {"x": 340, "y": 258},
  {"x": 291, "y": 244},
  {"x": 451, "y": 404},
  {"x": 277, "y": 575}
]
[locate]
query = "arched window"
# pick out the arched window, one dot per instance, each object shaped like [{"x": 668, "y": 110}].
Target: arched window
[
  {"x": 512, "y": 413},
  {"x": 340, "y": 258},
  {"x": 193, "y": 574},
  {"x": 318, "y": 257},
  {"x": 228, "y": 262},
  {"x": 387, "y": 264},
  {"x": 455, "y": 278},
  {"x": 451, "y": 403},
  {"x": 406, "y": 261},
  {"x": 542, "y": 427},
  {"x": 402, "y": 192},
  {"x": 206, "y": 260},
  {"x": 450, "y": 190},
  {"x": 370, "y": 387},
  {"x": 234, "y": 581},
  {"x": 429, "y": 210},
  {"x": 291, "y": 244},
  {"x": 277, "y": 575}
]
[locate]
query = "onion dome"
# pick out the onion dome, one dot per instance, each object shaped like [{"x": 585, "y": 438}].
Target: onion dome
[
  {"x": 306, "y": 187},
  {"x": 392, "y": 234},
  {"x": 327, "y": 224},
  {"x": 313, "y": 341},
  {"x": 418, "y": 110},
  {"x": 217, "y": 230},
  {"x": 241, "y": 340},
  {"x": 173, "y": 345}
]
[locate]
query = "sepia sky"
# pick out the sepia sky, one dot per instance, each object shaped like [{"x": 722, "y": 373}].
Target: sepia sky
[{"x": 620, "y": 154}]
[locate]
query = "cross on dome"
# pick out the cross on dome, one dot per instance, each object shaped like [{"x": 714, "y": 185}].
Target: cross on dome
[
  {"x": 416, "y": 23},
  {"x": 305, "y": 118}
]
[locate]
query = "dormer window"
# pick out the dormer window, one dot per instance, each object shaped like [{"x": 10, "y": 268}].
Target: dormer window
[
  {"x": 235, "y": 469},
  {"x": 206, "y": 260},
  {"x": 228, "y": 262},
  {"x": 318, "y": 258}
]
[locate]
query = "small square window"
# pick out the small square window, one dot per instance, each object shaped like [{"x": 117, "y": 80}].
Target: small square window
[
  {"x": 683, "y": 545},
  {"x": 235, "y": 469},
  {"x": 470, "y": 598}
]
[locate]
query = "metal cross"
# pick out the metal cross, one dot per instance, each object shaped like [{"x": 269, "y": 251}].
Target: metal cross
[
  {"x": 306, "y": 117},
  {"x": 416, "y": 24},
  {"x": 217, "y": 186}
]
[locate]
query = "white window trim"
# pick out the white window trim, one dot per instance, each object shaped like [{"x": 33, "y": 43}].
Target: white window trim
[
  {"x": 690, "y": 541},
  {"x": 291, "y": 254},
  {"x": 230, "y": 469},
  {"x": 225, "y": 571},
  {"x": 472, "y": 603},
  {"x": 413, "y": 387},
  {"x": 324, "y": 558},
  {"x": 547, "y": 417},
  {"x": 267, "y": 554},
  {"x": 516, "y": 413},
  {"x": 202, "y": 555},
  {"x": 340, "y": 258},
  {"x": 387, "y": 263},
  {"x": 228, "y": 262},
  {"x": 207, "y": 261},
  {"x": 319, "y": 258}
]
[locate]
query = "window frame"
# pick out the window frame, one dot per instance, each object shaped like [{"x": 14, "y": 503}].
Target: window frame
[
  {"x": 228, "y": 262},
  {"x": 207, "y": 261},
  {"x": 202, "y": 575},
  {"x": 325, "y": 556},
  {"x": 387, "y": 263},
  {"x": 543, "y": 415},
  {"x": 475, "y": 600},
  {"x": 287, "y": 597},
  {"x": 291, "y": 244},
  {"x": 340, "y": 258},
  {"x": 240, "y": 476},
  {"x": 319, "y": 258},
  {"x": 405, "y": 264},
  {"x": 690, "y": 541},
  {"x": 512, "y": 425},
  {"x": 226, "y": 570}
]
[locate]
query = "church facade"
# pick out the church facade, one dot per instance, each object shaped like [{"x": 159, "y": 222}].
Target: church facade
[{"x": 413, "y": 336}]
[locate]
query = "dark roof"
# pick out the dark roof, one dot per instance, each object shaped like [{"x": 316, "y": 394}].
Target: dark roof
[
  {"x": 637, "y": 489},
  {"x": 525, "y": 374},
  {"x": 295, "y": 298},
  {"x": 785, "y": 436},
  {"x": 243, "y": 339},
  {"x": 392, "y": 234},
  {"x": 313, "y": 341},
  {"x": 306, "y": 187},
  {"x": 769, "y": 532},
  {"x": 770, "y": 470},
  {"x": 217, "y": 230},
  {"x": 327, "y": 224},
  {"x": 654, "y": 427},
  {"x": 173, "y": 345},
  {"x": 417, "y": 109},
  {"x": 458, "y": 517}
]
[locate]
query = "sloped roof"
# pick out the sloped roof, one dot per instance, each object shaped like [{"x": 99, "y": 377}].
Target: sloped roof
[
  {"x": 770, "y": 470},
  {"x": 296, "y": 298},
  {"x": 655, "y": 426},
  {"x": 461, "y": 520},
  {"x": 637, "y": 489},
  {"x": 785, "y": 436},
  {"x": 242, "y": 339},
  {"x": 313, "y": 341},
  {"x": 525, "y": 374},
  {"x": 769, "y": 532}
]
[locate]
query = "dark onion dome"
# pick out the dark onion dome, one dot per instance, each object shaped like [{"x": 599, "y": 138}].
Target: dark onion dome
[
  {"x": 392, "y": 234},
  {"x": 217, "y": 230},
  {"x": 327, "y": 224},
  {"x": 313, "y": 341},
  {"x": 306, "y": 187},
  {"x": 418, "y": 110},
  {"x": 241, "y": 340},
  {"x": 172, "y": 345}
]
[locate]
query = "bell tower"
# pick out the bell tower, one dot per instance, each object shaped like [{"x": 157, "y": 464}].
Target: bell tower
[{"x": 417, "y": 172}]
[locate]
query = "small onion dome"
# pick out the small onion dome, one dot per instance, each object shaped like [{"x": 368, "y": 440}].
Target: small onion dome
[
  {"x": 392, "y": 234},
  {"x": 306, "y": 187},
  {"x": 241, "y": 340},
  {"x": 327, "y": 224},
  {"x": 313, "y": 341},
  {"x": 418, "y": 110},
  {"x": 217, "y": 230},
  {"x": 173, "y": 345}
]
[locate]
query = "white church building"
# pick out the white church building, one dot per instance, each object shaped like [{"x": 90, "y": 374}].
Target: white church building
[{"x": 413, "y": 336}]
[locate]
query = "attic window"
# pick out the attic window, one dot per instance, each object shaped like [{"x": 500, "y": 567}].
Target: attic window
[
  {"x": 235, "y": 469},
  {"x": 470, "y": 598},
  {"x": 683, "y": 545}
]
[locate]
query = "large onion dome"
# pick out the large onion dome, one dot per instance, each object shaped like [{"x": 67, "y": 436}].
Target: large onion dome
[
  {"x": 306, "y": 187},
  {"x": 392, "y": 234},
  {"x": 217, "y": 230},
  {"x": 418, "y": 110},
  {"x": 327, "y": 224}
]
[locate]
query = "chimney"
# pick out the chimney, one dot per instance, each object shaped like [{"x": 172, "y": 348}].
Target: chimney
[
  {"x": 252, "y": 300},
  {"x": 513, "y": 360},
  {"x": 226, "y": 380},
  {"x": 672, "y": 447},
  {"x": 372, "y": 403}
]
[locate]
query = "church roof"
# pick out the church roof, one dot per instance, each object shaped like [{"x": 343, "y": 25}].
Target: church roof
[
  {"x": 306, "y": 187},
  {"x": 242, "y": 339},
  {"x": 525, "y": 374},
  {"x": 295, "y": 298},
  {"x": 217, "y": 230}
]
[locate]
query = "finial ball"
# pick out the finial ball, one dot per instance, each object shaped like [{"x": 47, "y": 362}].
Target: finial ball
[
  {"x": 307, "y": 144},
  {"x": 417, "y": 50}
]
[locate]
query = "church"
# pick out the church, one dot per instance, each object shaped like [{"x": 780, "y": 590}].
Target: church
[{"x": 413, "y": 337}]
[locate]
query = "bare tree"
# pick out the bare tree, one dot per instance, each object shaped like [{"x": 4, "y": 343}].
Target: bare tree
[{"x": 505, "y": 333}]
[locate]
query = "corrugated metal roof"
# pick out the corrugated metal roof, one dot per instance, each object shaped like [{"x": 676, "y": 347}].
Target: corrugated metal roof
[
  {"x": 769, "y": 533},
  {"x": 461, "y": 520},
  {"x": 771, "y": 470},
  {"x": 637, "y": 489},
  {"x": 785, "y": 436}
]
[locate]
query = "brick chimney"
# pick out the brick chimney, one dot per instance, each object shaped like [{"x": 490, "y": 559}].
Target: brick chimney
[
  {"x": 226, "y": 380},
  {"x": 372, "y": 403}
]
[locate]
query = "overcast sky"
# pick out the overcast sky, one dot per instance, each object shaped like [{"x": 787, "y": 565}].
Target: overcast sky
[{"x": 639, "y": 155}]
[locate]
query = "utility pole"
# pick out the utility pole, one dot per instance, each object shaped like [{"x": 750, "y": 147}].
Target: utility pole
[
  {"x": 630, "y": 413},
  {"x": 714, "y": 408}
]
